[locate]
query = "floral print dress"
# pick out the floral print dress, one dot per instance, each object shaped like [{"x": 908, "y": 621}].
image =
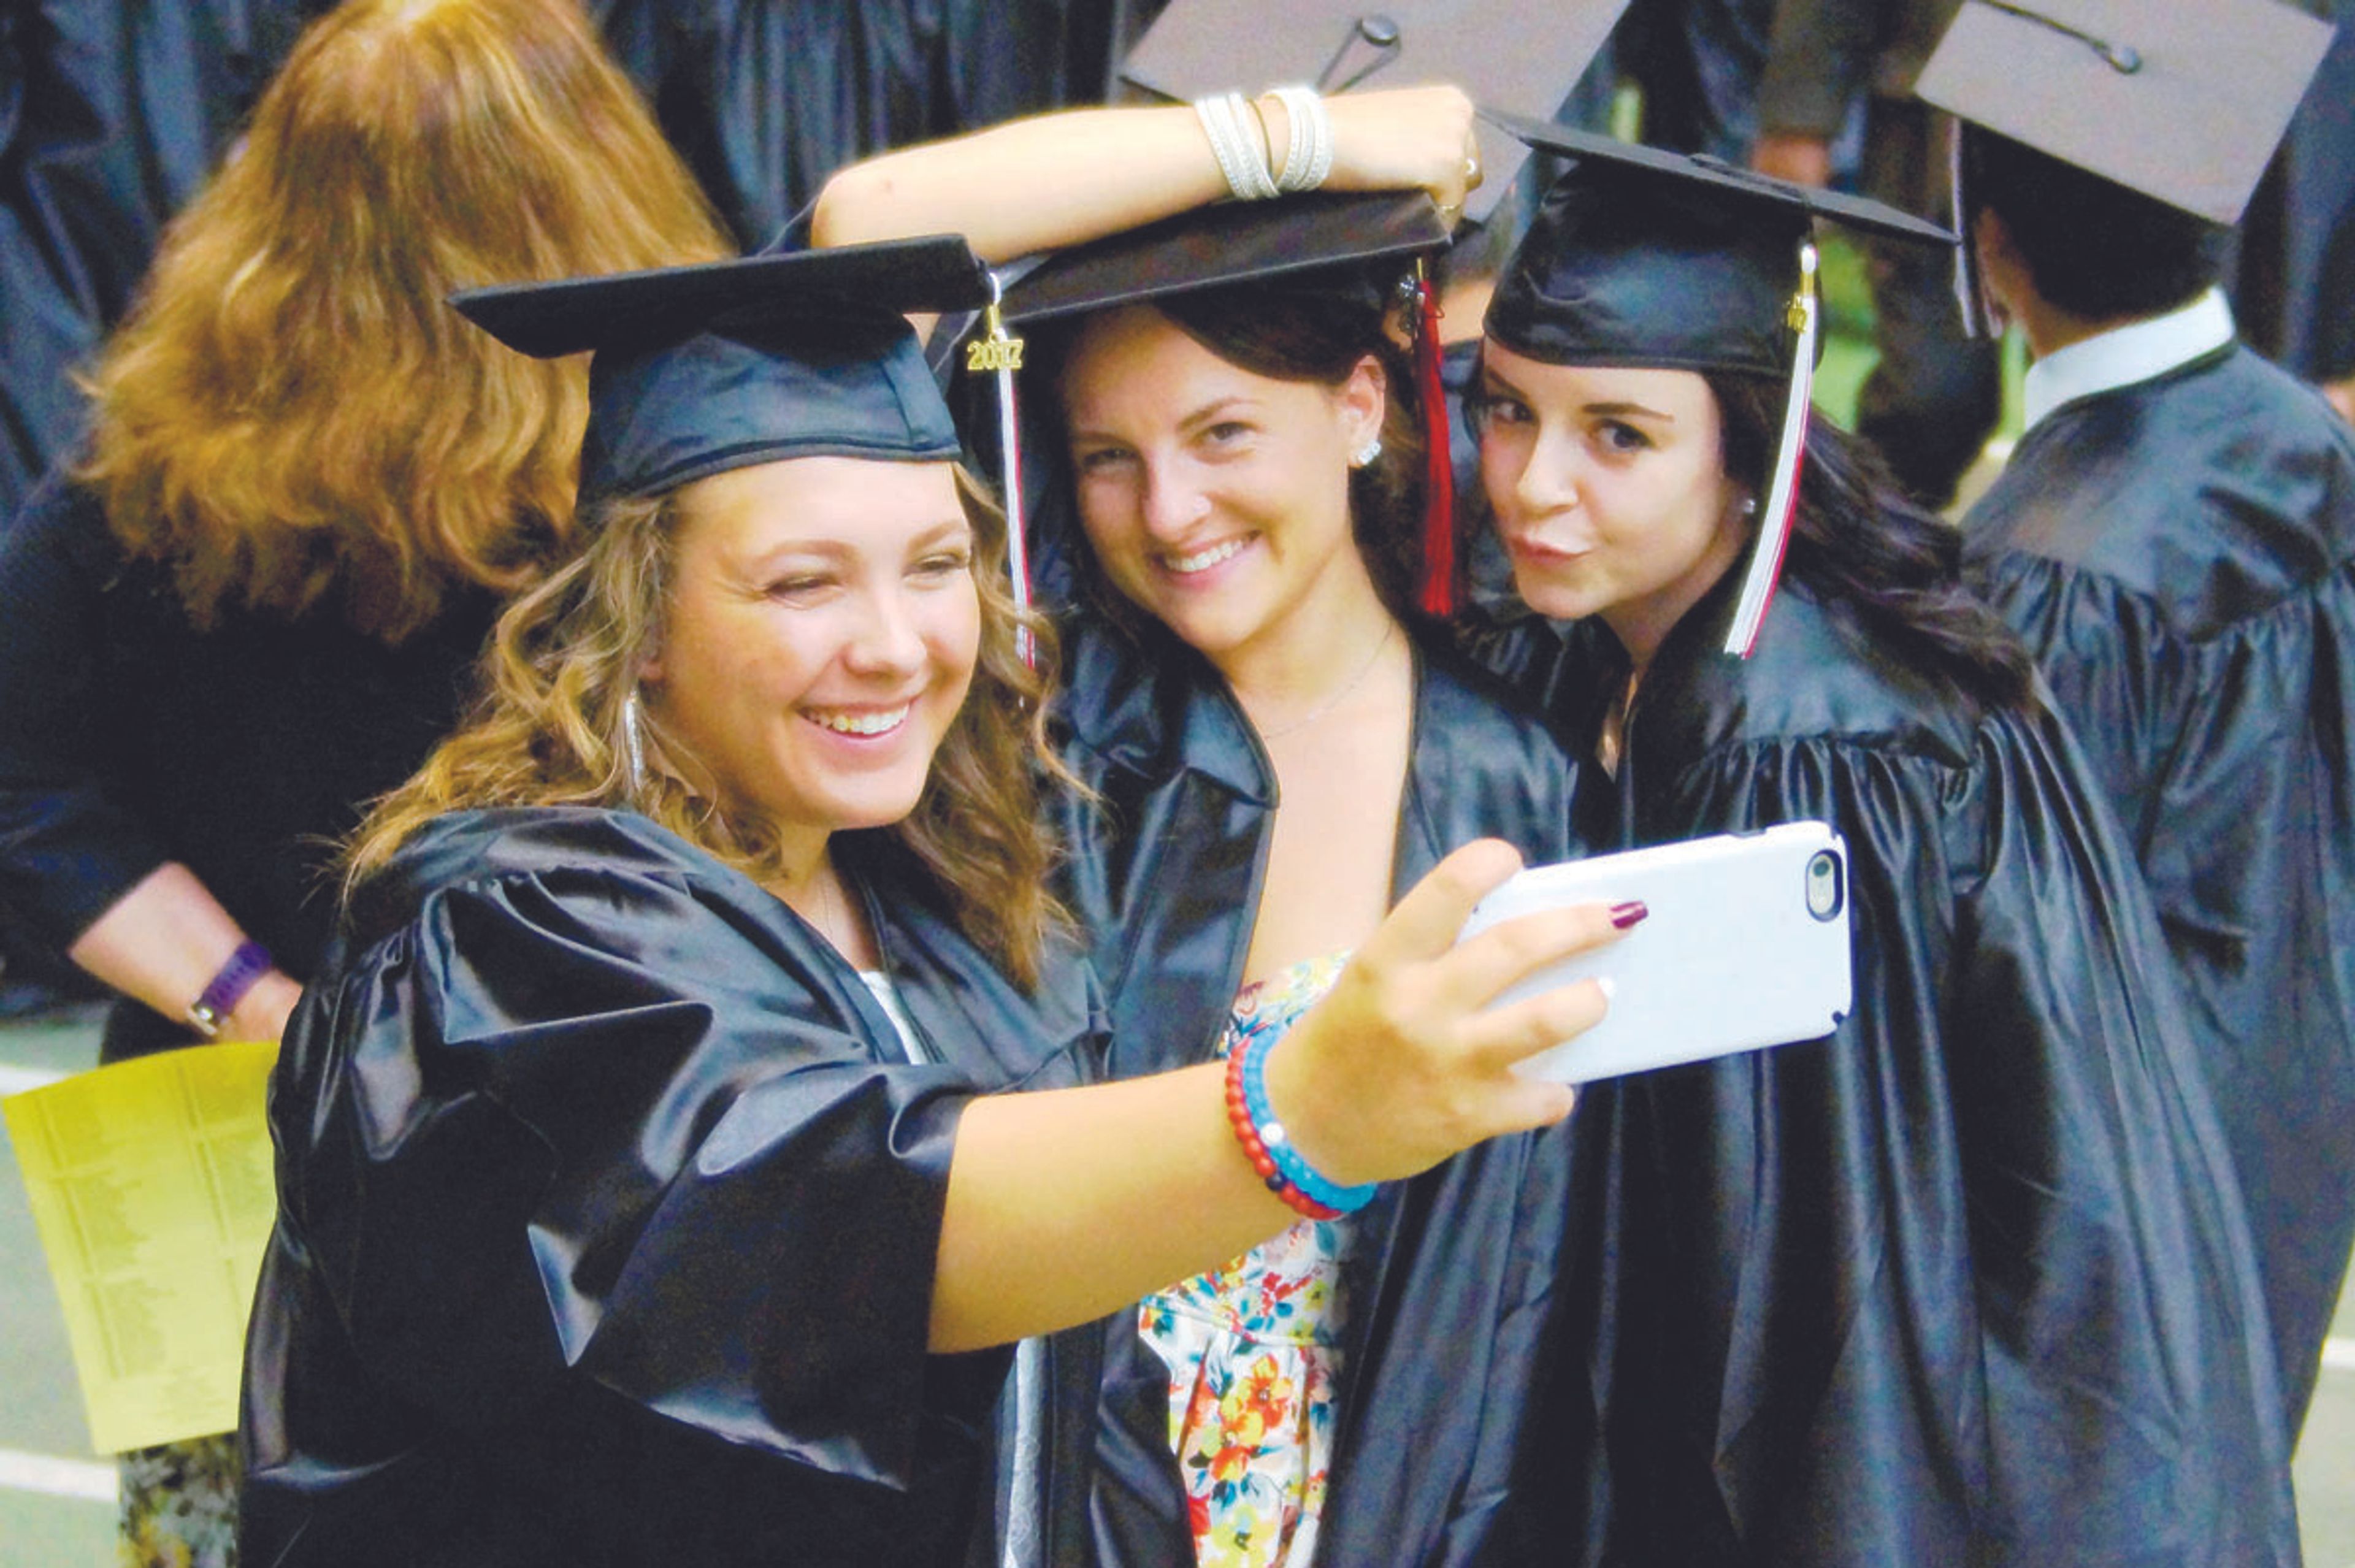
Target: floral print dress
[{"x": 1253, "y": 1354}]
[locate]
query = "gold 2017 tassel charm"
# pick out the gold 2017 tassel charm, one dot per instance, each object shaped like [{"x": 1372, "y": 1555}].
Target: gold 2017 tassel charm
[{"x": 998, "y": 353}]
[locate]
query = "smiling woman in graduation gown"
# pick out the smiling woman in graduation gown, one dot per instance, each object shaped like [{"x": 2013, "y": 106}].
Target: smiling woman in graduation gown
[
  {"x": 610, "y": 1188},
  {"x": 1452, "y": 1285},
  {"x": 646, "y": 1195},
  {"x": 1448, "y": 1284},
  {"x": 1236, "y": 577},
  {"x": 1967, "y": 1281},
  {"x": 484, "y": 1322}
]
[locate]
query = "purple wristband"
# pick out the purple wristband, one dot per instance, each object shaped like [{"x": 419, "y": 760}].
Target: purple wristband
[{"x": 250, "y": 963}]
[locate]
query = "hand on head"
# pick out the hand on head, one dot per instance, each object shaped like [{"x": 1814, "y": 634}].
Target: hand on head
[
  {"x": 1404, "y": 138},
  {"x": 1405, "y": 1061}
]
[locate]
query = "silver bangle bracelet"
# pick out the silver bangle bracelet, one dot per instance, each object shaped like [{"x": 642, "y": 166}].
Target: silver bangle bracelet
[
  {"x": 1310, "y": 157},
  {"x": 1233, "y": 145}
]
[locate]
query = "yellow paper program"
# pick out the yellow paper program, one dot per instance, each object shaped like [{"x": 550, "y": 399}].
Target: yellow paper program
[{"x": 150, "y": 1182}]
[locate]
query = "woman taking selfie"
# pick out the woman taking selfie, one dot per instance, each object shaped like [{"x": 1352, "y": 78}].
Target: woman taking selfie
[
  {"x": 253, "y": 600},
  {"x": 1275, "y": 748},
  {"x": 1966, "y": 1281},
  {"x": 642, "y": 1198}
]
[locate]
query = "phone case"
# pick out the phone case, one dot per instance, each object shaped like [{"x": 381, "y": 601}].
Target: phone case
[{"x": 1733, "y": 956}]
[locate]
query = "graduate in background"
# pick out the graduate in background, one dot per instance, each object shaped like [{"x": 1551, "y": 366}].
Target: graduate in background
[
  {"x": 1935, "y": 391},
  {"x": 1967, "y": 1281},
  {"x": 2174, "y": 538}
]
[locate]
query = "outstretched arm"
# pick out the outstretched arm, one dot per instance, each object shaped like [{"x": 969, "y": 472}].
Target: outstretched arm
[{"x": 1067, "y": 1204}]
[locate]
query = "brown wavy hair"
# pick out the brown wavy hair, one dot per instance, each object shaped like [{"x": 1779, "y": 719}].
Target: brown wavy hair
[
  {"x": 564, "y": 660},
  {"x": 290, "y": 417}
]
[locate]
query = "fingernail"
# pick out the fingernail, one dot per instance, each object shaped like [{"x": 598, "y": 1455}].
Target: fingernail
[
  {"x": 1629, "y": 913},
  {"x": 1607, "y": 985}
]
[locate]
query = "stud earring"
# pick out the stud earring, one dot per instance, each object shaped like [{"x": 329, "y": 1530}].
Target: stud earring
[{"x": 1366, "y": 453}]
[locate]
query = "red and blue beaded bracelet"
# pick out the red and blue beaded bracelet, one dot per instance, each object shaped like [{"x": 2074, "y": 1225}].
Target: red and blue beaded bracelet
[{"x": 1282, "y": 1167}]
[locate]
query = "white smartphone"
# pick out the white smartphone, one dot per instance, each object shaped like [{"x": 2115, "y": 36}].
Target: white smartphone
[{"x": 1746, "y": 945}]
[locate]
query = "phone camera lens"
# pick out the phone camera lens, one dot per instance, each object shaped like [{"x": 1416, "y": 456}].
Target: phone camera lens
[{"x": 1824, "y": 891}]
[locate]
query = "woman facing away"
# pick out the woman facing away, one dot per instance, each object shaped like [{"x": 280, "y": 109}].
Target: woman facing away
[
  {"x": 1967, "y": 1281},
  {"x": 254, "y": 602},
  {"x": 1275, "y": 747},
  {"x": 688, "y": 1111}
]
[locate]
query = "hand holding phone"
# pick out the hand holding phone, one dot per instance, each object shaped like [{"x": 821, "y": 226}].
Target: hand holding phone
[{"x": 1746, "y": 946}]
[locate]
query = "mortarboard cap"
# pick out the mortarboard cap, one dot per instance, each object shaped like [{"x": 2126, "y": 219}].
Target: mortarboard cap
[
  {"x": 2182, "y": 101},
  {"x": 700, "y": 369},
  {"x": 1313, "y": 240},
  {"x": 1640, "y": 257},
  {"x": 1515, "y": 54}
]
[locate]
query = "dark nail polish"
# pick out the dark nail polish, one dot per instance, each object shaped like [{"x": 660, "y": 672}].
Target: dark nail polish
[{"x": 1629, "y": 913}]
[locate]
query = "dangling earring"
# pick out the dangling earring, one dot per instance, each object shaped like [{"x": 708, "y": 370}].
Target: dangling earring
[
  {"x": 634, "y": 745},
  {"x": 1366, "y": 453}
]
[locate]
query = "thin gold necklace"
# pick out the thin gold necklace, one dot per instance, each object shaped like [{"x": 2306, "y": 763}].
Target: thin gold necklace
[
  {"x": 1335, "y": 700},
  {"x": 829, "y": 914}
]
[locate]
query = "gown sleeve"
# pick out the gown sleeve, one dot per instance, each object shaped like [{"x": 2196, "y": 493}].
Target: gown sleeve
[
  {"x": 589, "y": 1123},
  {"x": 2204, "y": 744},
  {"x": 2225, "y": 747},
  {"x": 1983, "y": 1243},
  {"x": 2112, "y": 667}
]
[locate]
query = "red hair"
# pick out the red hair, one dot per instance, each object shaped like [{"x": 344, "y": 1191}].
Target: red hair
[{"x": 291, "y": 416}]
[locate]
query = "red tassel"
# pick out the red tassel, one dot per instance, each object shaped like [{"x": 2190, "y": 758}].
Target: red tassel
[{"x": 1437, "y": 596}]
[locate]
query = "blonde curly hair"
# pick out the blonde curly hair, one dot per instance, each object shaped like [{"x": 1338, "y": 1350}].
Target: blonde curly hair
[{"x": 564, "y": 661}]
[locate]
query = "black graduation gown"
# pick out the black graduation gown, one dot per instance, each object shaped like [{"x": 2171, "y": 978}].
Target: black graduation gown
[
  {"x": 608, "y": 1205},
  {"x": 1965, "y": 1283},
  {"x": 2180, "y": 555},
  {"x": 112, "y": 113},
  {"x": 1450, "y": 1285}
]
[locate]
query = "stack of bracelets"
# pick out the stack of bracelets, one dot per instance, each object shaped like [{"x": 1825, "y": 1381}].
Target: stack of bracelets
[
  {"x": 1248, "y": 161},
  {"x": 1287, "y": 1175}
]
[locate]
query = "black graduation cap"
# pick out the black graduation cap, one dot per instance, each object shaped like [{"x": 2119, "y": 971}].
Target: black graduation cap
[
  {"x": 1645, "y": 258},
  {"x": 1503, "y": 52},
  {"x": 1639, "y": 256},
  {"x": 700, "y": 369},
  {"x": 1312, "y": 239},
  {"x": 2183, "y": 101}
]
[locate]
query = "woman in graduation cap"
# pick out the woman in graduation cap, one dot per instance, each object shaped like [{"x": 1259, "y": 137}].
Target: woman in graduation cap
[
  {"x": 643, "y": 1196},
  {"x": 251, "y": 601},
  {"x": 1964, "y": 1282},
  {"x": 1277, "y": 742}
]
